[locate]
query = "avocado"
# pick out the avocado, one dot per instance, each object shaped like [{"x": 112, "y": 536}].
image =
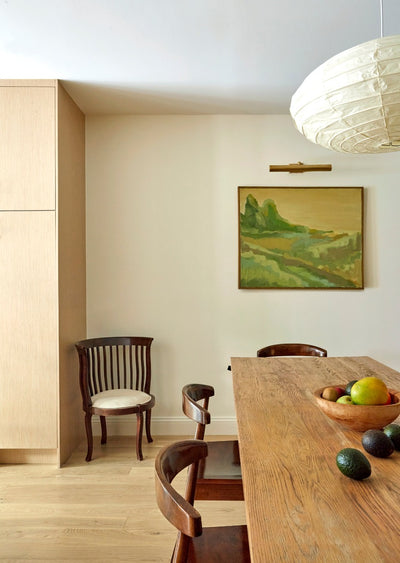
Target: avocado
[
  {"x": 393, "y": 431},
  {"x": 377, "y": 443},
  {"x": 347, "y": 390},
  {"x": 353, "y": 464}
]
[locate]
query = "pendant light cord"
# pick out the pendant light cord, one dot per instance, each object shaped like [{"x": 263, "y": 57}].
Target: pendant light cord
[{"x": 381, "y": 3}]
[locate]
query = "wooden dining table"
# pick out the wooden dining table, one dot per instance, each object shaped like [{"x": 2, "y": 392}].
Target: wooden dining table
[{"x": 299, "y": 506}]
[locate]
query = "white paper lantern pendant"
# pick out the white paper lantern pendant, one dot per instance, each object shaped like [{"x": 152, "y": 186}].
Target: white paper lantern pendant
[{"x": 351, "y": 103}]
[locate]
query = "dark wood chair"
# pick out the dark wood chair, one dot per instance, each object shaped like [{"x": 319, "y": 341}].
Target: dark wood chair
[
  {"x": 291, "y": 350},
  {"x": 225, "y": 544},
  {"x": 115, "y": 379},
  {"x": 219, "y": 475}
]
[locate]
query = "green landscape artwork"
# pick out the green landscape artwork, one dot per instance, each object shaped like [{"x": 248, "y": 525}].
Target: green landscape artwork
[{"x": 300, "y": 238}]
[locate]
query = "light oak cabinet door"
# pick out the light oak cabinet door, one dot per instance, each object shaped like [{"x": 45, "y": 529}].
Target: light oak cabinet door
[
  {"x": 28, "y": 333},
  {"x": 27, "y": 147}
]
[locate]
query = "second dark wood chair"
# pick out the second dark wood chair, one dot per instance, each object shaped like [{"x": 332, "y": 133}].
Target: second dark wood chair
[
  {"x": 219, "y": 475},
  {"x": 194, "y": 544},
  {"x": 291, "y": 349}
]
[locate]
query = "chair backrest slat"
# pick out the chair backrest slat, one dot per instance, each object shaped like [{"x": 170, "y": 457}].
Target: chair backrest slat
[
  {"x": 115, "y": 362},
  {"x": 136, "y": 367},
  {"x": 95, "y": 370},
  {"x": 124, "y": 351},
  {"x": 91, "y": 380},
  {"x": 146, "y": 385},
  {"x": 101, "y": 371},
  {"x": 142, "y": 364},
  {"x": 131, "y": 366}
]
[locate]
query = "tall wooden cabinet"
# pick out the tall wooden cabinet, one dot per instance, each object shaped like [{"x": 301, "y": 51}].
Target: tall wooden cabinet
[{"x": 42, "y": 265}]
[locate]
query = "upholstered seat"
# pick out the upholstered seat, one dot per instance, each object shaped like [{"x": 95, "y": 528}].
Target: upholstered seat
[{"x": 119, "y": 398}]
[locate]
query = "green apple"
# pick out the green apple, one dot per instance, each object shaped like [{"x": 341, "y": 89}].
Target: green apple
[{"x": 345, "y": 400}]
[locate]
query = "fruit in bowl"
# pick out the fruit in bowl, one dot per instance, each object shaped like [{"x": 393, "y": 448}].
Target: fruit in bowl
[
  {"x": 345, "y": 400},
  {"x": 332, "y": 393},
  {"x": 362, "y": 416},
  {"x": 370, "y": 391}
]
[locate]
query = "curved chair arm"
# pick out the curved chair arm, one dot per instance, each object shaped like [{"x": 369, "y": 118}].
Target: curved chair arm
[
  {"x": 192, "y": 393},
  {"x": 291, "y": 349},
  {"x": 169, "y": 462}
]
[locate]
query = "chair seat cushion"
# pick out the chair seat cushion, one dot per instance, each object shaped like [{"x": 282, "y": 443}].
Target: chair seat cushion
[{"x": 119, "y": 399}]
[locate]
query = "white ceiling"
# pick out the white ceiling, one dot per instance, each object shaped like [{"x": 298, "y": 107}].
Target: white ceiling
[{"x": 183, "y": 56}]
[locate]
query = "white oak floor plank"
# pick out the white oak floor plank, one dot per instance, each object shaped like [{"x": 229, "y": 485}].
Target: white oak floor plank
[{"x": 103, "y": 511}]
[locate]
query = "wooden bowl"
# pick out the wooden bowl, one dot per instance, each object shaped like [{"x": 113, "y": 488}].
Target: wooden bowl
[{"x": 359, "y": 417}]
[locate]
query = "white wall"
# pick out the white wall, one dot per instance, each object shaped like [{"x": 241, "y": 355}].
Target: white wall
[{"x": 162, "y": 245}]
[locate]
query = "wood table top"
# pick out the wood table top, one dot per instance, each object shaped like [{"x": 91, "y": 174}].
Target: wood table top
[{"x": 299, "y": 506}]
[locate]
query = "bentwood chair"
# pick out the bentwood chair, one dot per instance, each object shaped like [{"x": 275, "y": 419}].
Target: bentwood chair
[
  {"x": 194, "y": 544},
  {"x": 115, "y": 379},
  {"x": 291, "y": 349},
  {"x": 219, "y": 475}
]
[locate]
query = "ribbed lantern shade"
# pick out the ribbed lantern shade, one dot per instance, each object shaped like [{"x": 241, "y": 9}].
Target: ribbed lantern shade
[{"x": 351, "y": 103}]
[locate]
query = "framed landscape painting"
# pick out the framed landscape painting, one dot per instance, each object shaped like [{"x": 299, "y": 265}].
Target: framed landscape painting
[{"x": 300, "y": 238}]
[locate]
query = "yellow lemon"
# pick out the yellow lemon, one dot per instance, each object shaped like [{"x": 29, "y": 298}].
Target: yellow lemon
[{"x": 369, "y": 391}]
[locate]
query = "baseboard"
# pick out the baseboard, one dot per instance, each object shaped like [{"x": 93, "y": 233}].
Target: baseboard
[
  {"x": 165, "y": 426},
  {"x": 17, "y": 456}
]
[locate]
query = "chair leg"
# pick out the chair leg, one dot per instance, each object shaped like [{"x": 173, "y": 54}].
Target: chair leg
[
  {"x": 148, "y": 422},
  {"x": 89, "y": 435},
  {"x": 103, "y": 429},
  {"x": 139, "y": 432}
]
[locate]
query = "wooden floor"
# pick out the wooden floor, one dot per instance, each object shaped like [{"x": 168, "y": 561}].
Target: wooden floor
[{"x": 102, "y": 511}]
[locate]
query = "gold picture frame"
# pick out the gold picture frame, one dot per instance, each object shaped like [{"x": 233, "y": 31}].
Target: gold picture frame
[{"x": 301, "y": 237}]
